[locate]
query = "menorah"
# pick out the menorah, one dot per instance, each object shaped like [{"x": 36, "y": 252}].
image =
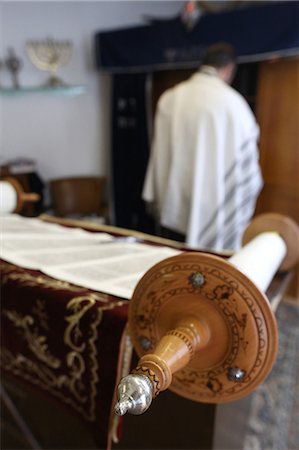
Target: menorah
[{"x": 49, "y": 55}]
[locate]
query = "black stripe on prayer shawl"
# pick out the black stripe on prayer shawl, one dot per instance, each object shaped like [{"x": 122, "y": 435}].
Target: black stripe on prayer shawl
[
  {"x": 254, "y": 133},
  {"x": 247, "y": 161},
  {"x": 228, "y": 244},
  {"x": 249, "y": 140},
  {"x": 226, "y": 200},
  {"x": 231, "y": 233},
  {"x": 250, "y": 196},
  {"x": 244, "y": 202},
  {"x": 243, "y": 164}
]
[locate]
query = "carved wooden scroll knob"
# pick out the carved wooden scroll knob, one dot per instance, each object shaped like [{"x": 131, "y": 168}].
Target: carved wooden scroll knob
[
  {"x": 202, "y": 325},
  {"x": 13, "y": 196}
]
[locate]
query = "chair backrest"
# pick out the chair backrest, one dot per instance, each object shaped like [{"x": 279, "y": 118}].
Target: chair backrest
[{"x": 78, "y": 195}]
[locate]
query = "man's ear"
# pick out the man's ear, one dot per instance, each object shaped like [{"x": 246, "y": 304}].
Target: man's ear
[
  {"x": 227, "y": 73},
  {"x": 230, "y": 72}
]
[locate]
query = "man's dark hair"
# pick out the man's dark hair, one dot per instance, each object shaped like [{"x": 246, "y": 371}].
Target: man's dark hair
[{"x": 219, "y": 55}]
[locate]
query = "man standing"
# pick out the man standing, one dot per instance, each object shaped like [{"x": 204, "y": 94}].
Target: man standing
[{"x": 203, "y": 176}]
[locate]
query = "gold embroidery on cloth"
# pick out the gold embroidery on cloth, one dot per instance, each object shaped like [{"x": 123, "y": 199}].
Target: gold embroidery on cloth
[
  {"x": 40, "y": 311},
  {"x": 32, "y": 280},
  {"x": 30, "y": 333},
  {"x": 82, "y": 397},
  {"x": 72, "y": 334},
  {"x": 45, "y": 374},
  {"x": 42, "y": 377},
  {"x": 7, "y": 267}
]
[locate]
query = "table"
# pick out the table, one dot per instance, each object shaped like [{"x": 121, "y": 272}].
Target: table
[{"x": 67, "y": 345}]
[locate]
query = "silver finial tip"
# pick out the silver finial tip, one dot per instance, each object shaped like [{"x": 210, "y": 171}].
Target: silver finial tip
[
  {"x": 122, "y": 406},
  {"x": 134, "y": 395}
]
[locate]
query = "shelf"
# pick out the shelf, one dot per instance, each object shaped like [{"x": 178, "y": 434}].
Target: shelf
[{"x": 70, "y": 91}]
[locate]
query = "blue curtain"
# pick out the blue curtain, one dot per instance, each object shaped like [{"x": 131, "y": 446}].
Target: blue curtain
[{"x": 130, "y": 151}]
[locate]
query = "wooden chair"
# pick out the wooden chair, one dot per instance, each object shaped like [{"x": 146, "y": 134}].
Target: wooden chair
[{"x": 78, "y": 197}]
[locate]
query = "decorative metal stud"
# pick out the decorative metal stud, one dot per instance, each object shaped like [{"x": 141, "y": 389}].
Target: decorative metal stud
[
  {"x": 145, "y": 343},
  {"x": 196, "y": 279},
  {"x": 235, "y": 374}
]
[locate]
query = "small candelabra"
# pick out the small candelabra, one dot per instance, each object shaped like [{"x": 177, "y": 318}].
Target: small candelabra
[
  {"x": 1, "y": 67},
  {"x": 49, "y": 55},
  {"x": 13, "y": 64}
]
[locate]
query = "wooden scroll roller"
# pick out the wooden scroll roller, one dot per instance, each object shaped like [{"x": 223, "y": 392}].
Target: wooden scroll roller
[
  {"x": 13, "y": 197},
  {"x": 202, "y": 325}
]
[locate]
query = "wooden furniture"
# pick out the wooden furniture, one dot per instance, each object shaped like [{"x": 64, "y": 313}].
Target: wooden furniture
[
  {"x": 202, "y": 327},
  {"x": 63, "y": 406},
  {"x": 16, "y": 196},
  {"x": 30, "y": 182},
  {"x": 80, "y": 196},
  {"x": 63, "y": 342},
  {"x": 278, "y": 116}
]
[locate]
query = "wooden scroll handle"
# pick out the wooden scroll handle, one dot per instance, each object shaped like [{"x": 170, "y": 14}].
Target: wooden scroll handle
[
  {"x": 30, "y": 197},
  {"x": 202, "y": 325},
  {"x": 18, "y": 196},
  {"x": 173, "y": 352}
]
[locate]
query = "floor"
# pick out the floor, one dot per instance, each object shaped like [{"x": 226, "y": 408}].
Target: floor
[{"x": 269, "y": 418}]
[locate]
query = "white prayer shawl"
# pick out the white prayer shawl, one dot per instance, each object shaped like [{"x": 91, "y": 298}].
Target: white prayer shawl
[{"x": 203, "y": 174}]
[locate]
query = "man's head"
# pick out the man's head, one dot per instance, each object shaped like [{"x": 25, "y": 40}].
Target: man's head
[{"x": 222, "y": 57}]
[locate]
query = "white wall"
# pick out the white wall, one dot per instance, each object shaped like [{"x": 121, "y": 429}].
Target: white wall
[{"x": 66, "y": 136}]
